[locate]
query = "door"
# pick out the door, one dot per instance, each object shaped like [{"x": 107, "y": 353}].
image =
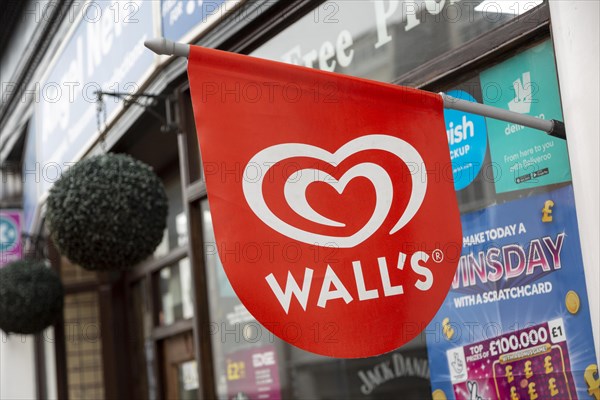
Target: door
[{"x": 179, "y": 368}]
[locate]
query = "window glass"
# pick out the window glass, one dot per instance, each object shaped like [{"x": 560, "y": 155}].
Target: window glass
[
  {"x": 517, "y": 209},
  {"x": 175, "y": 292},
  {"x": 175, "y": 234},
  {"x": 143, "y": 384},
  {"x": 382, "y": 40},
  {"x": 514, "y": 190}
]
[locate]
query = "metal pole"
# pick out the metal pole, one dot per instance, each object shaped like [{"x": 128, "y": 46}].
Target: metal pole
[{"x": 552, "y": 127}]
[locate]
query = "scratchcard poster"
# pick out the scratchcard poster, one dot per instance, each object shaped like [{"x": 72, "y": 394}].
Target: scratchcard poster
[{"x": 516, "y": 322}]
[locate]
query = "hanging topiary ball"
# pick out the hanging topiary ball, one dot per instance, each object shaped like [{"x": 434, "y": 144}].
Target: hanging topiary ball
[
  {"x": 107, "y": 212},
  {"x": 31, "y": 297}
]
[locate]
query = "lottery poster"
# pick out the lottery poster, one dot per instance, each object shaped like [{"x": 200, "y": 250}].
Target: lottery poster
[
  {"x": 252, "y": 374},
  {"x": 516, "y": 322}
]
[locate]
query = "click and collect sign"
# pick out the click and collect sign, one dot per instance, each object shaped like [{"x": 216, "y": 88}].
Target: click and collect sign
[
  {"x": 10, "y": 236},
  {"x": 467, "y": 139},
  {"x": 105, "y": 51},
  {"x": 339, "y": 245}
]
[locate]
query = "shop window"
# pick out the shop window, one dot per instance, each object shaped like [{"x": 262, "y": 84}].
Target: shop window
[
  {"x": 175, "y": 293},
  {"x": 175, "y": 234},
  {"x": 231, "y": 323},
  {"x": 383, "y": 40},
  {"x": 506, "y": 196},
  {"x": 511, "y": 200},
  {"x": 141, "y": 344}
]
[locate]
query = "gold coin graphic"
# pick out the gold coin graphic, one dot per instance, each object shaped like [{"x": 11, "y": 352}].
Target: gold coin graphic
[
  {"x": 447, "y": 329},
  {"x": 524, "y": 383},
  {"x": 439, "y": 394},
  {"x": 572, "y": 302}
]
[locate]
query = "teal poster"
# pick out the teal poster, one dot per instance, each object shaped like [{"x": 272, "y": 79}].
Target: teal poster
[
  {"x": 516, "y": 321},
  {"x": 525, "y": 158}
]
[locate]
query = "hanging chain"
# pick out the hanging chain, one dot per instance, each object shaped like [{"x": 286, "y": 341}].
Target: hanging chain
[
  {"x": 146, "y": 101},
  {"x": 101, "y": 113}
]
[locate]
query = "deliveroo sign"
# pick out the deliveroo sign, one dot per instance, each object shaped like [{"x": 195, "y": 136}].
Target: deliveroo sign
[{"x": 524, "y": 157}]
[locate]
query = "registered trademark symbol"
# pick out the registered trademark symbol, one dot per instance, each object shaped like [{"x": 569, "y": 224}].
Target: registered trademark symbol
[{"x": 438, "y": 256}]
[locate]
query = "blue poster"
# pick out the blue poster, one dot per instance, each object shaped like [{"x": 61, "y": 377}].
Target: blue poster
[
  {"x": 467, "y": 140},
  {"x": 516, "y": 322},
  {"x": 180, "y": 17}
]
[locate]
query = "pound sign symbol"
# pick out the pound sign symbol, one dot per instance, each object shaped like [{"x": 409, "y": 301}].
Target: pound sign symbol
[
  {"x": 509, "y": 375},
  {"x": 592, "y": 382},
  {"x": 547, "y": 210},
  {"x": 513, "y": 393},
  {"x": 552, "y": 387},
  {"x": 548, "y": 364},
  {"x": 528, "y": 372},
  {"x": 532, "y": 393}
]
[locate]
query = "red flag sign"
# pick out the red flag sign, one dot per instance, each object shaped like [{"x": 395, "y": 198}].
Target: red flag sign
[{"x": 332, "y": 200}]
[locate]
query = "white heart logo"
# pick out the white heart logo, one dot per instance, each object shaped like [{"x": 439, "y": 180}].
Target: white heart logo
[{"x": 295, "y": 189}]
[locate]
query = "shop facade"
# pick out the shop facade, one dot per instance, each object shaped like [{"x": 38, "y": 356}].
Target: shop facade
[{"x": 172, "y": 326}]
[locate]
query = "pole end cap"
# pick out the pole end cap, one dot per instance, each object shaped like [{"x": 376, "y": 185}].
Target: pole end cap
[
  {"x": 558, "y": 130},
  {"x": 164, "y": 46}
]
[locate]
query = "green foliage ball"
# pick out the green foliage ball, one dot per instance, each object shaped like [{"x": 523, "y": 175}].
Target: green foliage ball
[
  {"x": 31, "y": 297},
  {"x": 107, "y": 212}
]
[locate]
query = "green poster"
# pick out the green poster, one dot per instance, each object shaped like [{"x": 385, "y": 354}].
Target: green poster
[{"x": 523, "y": 157}]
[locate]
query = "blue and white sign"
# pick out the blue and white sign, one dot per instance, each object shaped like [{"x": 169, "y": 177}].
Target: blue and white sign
[
  {"x": 184, "y": 19},
  {"x": 104, "y": 51},
  {"x": 467, "y": 139},
  {"x": 10, "y": 236}
]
